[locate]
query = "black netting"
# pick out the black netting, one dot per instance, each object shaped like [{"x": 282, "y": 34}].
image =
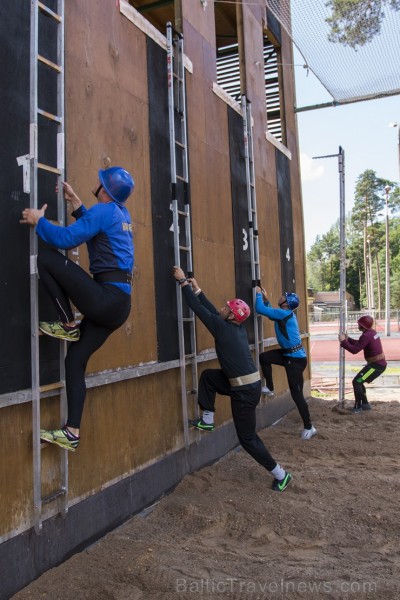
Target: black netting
[{"x": 365, "y": 63}]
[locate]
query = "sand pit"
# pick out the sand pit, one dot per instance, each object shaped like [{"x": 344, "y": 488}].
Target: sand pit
[{"x": 223, "y": 534}]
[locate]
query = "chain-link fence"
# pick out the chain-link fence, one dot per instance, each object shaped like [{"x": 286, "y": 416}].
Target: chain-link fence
[{"x": 332, "y": 318}]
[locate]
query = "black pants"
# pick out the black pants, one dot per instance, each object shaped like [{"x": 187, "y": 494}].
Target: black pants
[
  {"x": 294, "y": 370},
  {"x": 366, "y": 375},
  {"x": 104, "y": 306},
  {"x": 243, "y": 404}
]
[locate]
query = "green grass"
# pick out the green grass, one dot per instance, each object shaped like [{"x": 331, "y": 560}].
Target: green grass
[{"x": 318, "y": 394}]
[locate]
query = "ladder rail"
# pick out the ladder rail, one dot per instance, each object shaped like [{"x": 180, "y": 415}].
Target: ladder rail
[
  {"x": 35, "y": 165},
  {"x": 33, "y": 248},
  {"x": 61, "y": 218},
  {"x": 253, "y": 224},
  {"x": 181, "y": 216}
]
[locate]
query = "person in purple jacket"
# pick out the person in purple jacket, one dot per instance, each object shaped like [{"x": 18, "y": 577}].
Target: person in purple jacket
[
  {"x": 370, "y": 342},
  {"x": 103, "y": 298}
]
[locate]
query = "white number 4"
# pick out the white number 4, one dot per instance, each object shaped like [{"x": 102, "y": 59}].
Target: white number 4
[{"x": 288, "y": 255}]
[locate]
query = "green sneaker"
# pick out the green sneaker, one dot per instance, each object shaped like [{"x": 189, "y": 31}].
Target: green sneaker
[
  {"x": 61, "y": 438},
  {"x": 199, "y": 424},
  {"x": 56, "y": 329},
  {"x": 280, "y": 485}
]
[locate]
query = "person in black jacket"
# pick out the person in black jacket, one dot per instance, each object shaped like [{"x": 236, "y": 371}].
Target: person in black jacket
[{"x": 237, "y": 378}]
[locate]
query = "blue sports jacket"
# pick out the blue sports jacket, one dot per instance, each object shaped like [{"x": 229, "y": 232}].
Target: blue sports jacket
[
  {"x": 285, "y": 324},
  {"x": 107, "y": 231}
]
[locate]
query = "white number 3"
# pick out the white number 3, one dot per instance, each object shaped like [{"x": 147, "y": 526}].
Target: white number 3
[{"x": 245, "y": 239}]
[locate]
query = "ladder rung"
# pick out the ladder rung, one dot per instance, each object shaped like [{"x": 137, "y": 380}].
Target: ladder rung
[
  {"x": 180, "y": 79},
  {"x": 181, "y": 178},
  {"x": 184, "y": 248},
  {"x": 49, "y": 63},
  {"x": 183, "y": 147},
  {"x": 188, "y": 319},
  {"x": 54, "y": 496},
  {"x": 49, "y": 168},
  {"x": 182, "y": 213},
  {"x": 49, "y": 116},
  {"x": 51, "y": 386},
  {"x": 190, "y": 356},
  {"x": 49, "y": 12},
  {"x": 191, "y": 392}
]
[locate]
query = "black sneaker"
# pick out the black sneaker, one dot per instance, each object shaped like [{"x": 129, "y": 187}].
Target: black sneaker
[
  {"x": 366, "y": 406},
  {"x": 280, "y": 485},
  {"x": 199, "y": 424}
]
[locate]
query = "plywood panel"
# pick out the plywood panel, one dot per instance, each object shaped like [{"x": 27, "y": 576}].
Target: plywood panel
[
  {"x": 107, "y": 118},
  {"x": 16, "y": 492},
  {"x": 199, "y": 19},
  {"x": 134, "y": 421}
]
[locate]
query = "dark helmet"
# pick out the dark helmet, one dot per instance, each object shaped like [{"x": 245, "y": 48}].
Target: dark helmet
[
  {"x": 366, "y": 322},
  {"x": 117, "y": 182},
  {"x": 292, "y": 300},
  {"x": 240, "y": 309}
]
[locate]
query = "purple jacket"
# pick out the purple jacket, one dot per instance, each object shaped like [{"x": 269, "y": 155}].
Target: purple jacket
[{"x": 370, "y": 342}]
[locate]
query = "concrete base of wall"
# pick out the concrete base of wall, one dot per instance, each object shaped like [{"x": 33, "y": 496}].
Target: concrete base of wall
[{"x": 28, "y": 555}]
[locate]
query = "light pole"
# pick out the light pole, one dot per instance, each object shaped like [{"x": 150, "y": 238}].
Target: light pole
[
  {"x": 396, "y": 124},
  {"x": 387, "y": 301},
  {"x": 342, "y": 291}
]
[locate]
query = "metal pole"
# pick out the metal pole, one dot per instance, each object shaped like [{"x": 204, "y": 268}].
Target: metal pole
[
  {"x": 387, "y": 287},
  {"x": 342, "y": 324},
  {"x": 342, "y": 291},
  {"x": 398, "y": 145}
]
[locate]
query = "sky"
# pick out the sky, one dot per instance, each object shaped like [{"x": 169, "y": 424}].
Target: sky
[{"x": 361, "y": 129}]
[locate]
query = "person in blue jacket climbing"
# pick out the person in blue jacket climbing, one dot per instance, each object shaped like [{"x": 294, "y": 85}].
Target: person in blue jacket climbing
[
  {"x": 103, "y": 298},
  {"x": 291, "y": 354}
]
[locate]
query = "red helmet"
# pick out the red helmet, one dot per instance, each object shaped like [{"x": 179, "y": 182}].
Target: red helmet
[
  {"x": 240, "y": 309},
  {"x": 366, "y": 322}
]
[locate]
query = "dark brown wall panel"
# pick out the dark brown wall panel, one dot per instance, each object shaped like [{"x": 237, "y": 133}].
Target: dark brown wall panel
[
  {"x": 243, "y": 281},
  {"x": 163, "y": 237},
  {"x": 285, "y": 223}
]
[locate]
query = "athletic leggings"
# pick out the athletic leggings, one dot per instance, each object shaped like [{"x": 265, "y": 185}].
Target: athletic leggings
[
  {"x": 294, "y": 370},
  {"x": 105, "y": 308},
  {"x": 366, "y": 375},
  {"x": 243, "y": 404}
]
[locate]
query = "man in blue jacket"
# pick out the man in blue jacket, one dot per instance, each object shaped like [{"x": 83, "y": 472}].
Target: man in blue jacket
[
  {"x": 237, "y": 377},
  {"x": 291, "y": 355},
  {"x": 104, "y": 299}
]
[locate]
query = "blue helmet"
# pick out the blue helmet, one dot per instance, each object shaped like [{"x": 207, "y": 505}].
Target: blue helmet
[
  {"x": 292, "y": 300},
  {"x": 117, "y": 182}
]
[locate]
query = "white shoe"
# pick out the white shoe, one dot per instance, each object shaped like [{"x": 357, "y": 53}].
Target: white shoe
[
  {"x": 266, "y": 391},
  {"x": 307, "y": 434}
]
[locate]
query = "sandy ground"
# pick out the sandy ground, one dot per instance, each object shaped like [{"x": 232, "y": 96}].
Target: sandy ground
[{"x": 224, "y": 534}]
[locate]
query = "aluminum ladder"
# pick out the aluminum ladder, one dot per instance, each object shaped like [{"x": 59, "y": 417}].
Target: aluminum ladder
[
  {"x": 45, "y": 22},
  {"x": 181, "y": 218},
  {"x": 253, "y": 227}
]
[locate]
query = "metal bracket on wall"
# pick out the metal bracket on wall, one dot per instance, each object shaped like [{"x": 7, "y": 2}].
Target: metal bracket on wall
[{"x": 24, "y": 162}]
